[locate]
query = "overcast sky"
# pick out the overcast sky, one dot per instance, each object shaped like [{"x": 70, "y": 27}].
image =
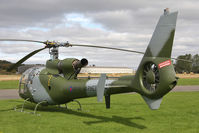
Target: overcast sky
[{"x": 122, "y": 24}]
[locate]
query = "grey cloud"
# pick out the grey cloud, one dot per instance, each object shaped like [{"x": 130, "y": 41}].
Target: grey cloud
[
  {"x": 125, "y": 24},
  {"x": 34, "y": 12}
]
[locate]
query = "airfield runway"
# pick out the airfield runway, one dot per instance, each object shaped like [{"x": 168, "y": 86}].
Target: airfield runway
[{"x": 13, "y": 93}]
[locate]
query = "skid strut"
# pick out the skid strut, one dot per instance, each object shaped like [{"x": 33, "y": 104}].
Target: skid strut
[
  {"x": 80, "y": 106},
  {"x": 22, "y": 108},
  {"x": 37, "y": 106}
]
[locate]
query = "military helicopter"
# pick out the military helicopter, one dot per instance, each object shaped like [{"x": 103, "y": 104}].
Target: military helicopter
[{"x": 57, "y": 82}]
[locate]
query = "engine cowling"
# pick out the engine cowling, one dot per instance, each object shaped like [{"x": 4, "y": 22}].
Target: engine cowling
[{"x": 67, "y": 67}]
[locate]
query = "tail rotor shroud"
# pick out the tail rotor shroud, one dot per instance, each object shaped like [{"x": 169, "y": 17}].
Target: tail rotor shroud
[{"x": 150, "y": 78}]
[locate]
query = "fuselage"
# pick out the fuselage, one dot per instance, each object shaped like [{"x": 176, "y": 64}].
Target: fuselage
[{"x": 38, "y": 85}]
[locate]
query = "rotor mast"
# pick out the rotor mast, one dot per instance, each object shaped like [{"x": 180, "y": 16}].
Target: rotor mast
[
  {"x": 53, "y": 49},
  {"x": 54, "y": 53}
]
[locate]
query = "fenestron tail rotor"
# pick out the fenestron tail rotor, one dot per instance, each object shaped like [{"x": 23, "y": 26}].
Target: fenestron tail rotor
[{"x": 150, "y": 77}]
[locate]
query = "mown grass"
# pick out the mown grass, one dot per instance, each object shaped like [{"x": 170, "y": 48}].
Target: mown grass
[
  {"x": 179, "y": 113},
  {"x": 188, "y": 81},
  {"x": 9, "y": 84}
]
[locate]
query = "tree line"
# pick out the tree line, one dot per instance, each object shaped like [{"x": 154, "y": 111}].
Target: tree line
[
  {"x": 4, "y": 65},
  {"x": 184, "y": 66}
]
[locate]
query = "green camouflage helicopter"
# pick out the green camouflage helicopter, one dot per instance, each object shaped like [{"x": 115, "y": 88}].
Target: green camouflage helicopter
[{"x": 57, "y": 82}]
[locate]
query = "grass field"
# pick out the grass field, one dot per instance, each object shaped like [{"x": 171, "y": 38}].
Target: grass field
[
  {"x": 179, "y": 113},
  {"x": 188, "y": 81},
  {"x": 9, "y": 84},
  {"x": 13, "y": 84}
]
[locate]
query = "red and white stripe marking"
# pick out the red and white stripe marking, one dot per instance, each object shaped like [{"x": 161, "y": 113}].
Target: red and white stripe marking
[{"x": 165, "y": 63}]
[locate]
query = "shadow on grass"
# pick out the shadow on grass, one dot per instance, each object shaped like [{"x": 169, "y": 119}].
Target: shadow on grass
[
  {"x": 5, "y": 110},
  {"x": 10, "y": 109},
  {"x": 99, "y": 104},
  {"x": 116, "y": 119},
  {"x": 100, "y": 118}
]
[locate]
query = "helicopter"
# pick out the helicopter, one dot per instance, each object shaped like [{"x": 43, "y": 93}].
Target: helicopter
[{"x": 57, "y": 82}]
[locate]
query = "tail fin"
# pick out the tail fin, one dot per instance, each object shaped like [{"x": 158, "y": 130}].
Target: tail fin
[
  {"x": 155, "y": 75},
  {"x": 162, "y": 40}
]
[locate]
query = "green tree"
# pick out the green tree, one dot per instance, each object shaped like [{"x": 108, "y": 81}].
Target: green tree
[
  {"x": 4, "y": 64},
  {"x": 183, "y": 66},
  {"x": 195, "y": 64}
]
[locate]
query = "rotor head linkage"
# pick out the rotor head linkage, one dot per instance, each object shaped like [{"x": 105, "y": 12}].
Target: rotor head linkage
[{"x": 54, "y": 53}]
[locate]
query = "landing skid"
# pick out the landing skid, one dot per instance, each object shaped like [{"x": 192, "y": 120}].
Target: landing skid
[
  {"x": 35, "y": 109},
  {"x": 22, "y": 108},
  {"x": 36, "y": 106},
  {"x": 74, "y": 100}
]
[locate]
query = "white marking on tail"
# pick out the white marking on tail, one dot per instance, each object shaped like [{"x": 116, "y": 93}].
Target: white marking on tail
[{"x": 165, "y": 63}]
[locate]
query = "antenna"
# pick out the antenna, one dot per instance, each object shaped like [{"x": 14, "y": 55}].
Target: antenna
[{"x": 166, "y": 11}]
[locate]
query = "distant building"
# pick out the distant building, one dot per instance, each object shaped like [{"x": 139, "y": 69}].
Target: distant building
[
  {"x": 90, "y": 69},
  {"x": 106, "y": 70}
]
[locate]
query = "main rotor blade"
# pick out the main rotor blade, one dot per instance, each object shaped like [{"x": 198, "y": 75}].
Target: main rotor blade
[
  {"x": 80, "y": 45},
  {"x": 24, "y": 59},
  {"x": 126, "y": 50},
  {"x": 94, "y": 46},
  {"x": 181, "y": 60},
  {"x": 21, "y": 40}
]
